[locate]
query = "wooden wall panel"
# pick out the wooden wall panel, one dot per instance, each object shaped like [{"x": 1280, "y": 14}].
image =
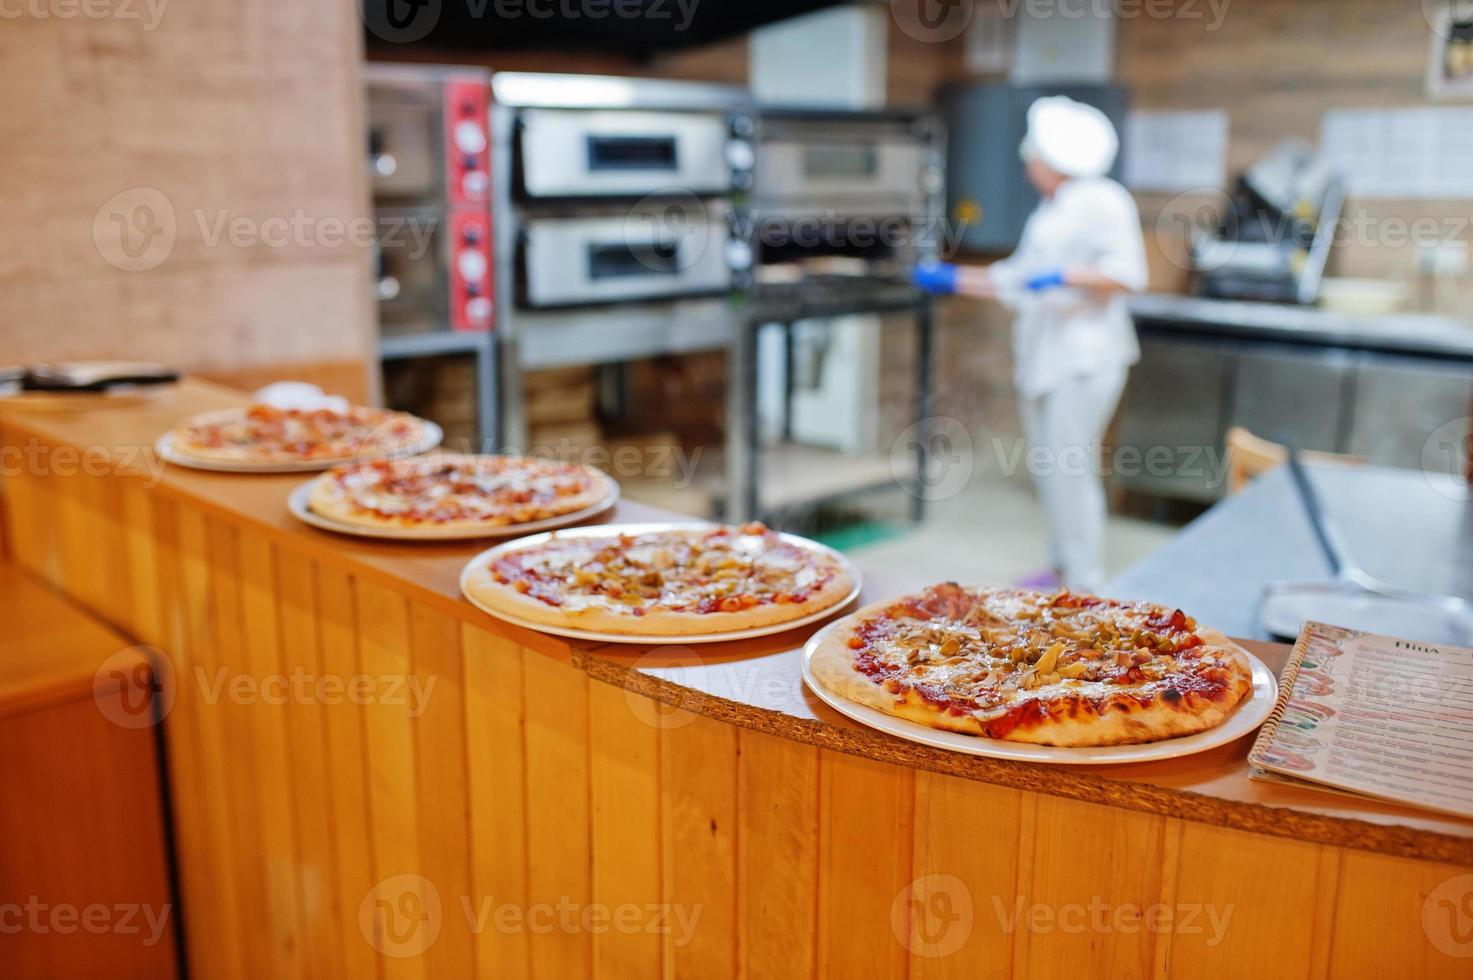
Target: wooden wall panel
[
  {"x": 777, "y": 857},
  {"x": 1402, "y": 918},
  {"x": 555, "y": 702},
  {"x": 311, "y": 777},
  {"x": 212, "y": 893},
  {"x": 347, "y": 754},
  {"x": 436, "y": 696},
  {"x": 496, "y": 784},
  {"x": 698, "y": 809},
  {"x": 624, "y": 787},
  {"x": 865, "y": 826},
  {"x": 269, "y": 782},
  {"x": 1084, "y": 857},
  {"x": 968, "y": 861},
  {"x": 393, "y": 775}
]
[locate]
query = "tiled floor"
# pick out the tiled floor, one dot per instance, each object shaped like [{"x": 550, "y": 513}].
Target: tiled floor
[{"x": 993, "y": 533}]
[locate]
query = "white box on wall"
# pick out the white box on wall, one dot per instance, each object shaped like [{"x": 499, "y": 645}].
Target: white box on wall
[
  {"x": 832, "y": 58},
  {"x": 1064, "y": 44}
]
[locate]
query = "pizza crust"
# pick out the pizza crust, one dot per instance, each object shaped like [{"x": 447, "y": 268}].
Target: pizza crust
[
  {"x": 481, "y": 586},
  {"x": 329, "y": 500},
  {"x": 1122, "y": 719}
]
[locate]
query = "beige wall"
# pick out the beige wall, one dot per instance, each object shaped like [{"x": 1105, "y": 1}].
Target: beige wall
[
  {"x": 1277, "y": 66},
  {"x": 250, "y": 111}
]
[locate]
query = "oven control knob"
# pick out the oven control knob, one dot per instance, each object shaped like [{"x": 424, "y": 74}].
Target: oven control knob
[
  {"x": 739, "y": 155},
  {"x": 738, "y": 254},
  {"x": 470, "y": 137},
  {"x": 478, "y": 310},
  {"x": 472, "y": 265},
  {"x": 475, "y": 182}
]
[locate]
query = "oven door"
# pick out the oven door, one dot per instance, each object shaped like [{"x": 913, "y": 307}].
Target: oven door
[
  {"x": 846, "y": 170},
  {"x": 404, "y": 138},
  {"x": 616, "y": 258},
  {"x": 616, "y": 153}
]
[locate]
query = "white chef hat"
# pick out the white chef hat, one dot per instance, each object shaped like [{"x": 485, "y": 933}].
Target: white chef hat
[{"x": 1075, "y": 139}]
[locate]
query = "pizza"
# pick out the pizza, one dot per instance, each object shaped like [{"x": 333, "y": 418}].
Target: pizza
[
  {"x": 450, "y": 491},
  {"x": 1024, "y": 666},
  {"x": 681, "y": 581},
  {"x": 270, "y": 436}
]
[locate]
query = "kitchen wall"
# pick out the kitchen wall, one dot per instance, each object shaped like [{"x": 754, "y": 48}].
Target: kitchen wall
[
  {"x": 1276, "y": 67},
  {"x": 181, "y": 182}
]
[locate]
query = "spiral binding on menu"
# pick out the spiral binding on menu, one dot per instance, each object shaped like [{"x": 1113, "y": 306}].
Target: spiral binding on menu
[{"x": 1286, "y": 691}]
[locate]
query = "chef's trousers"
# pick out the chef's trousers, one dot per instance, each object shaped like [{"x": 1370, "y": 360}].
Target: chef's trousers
[{"x": 1064, "y": 428}]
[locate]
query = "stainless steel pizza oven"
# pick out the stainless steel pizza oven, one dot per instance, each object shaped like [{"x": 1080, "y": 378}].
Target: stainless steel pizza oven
[{"x": 618, "y": 233}]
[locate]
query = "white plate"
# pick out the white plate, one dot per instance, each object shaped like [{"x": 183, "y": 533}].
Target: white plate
[
  {"x": 297, "y": 503},
  {"x": 1246, "y": 717},
  {"x": 599, "y": 530},
  {"x": 165, "y": 448}
]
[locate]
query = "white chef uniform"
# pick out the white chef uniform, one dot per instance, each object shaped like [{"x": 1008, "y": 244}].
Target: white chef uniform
[{"x": 1073, "y": 348}]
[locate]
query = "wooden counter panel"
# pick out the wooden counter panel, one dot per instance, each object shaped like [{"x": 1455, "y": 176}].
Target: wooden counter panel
[{"x": 564, "y": 810}]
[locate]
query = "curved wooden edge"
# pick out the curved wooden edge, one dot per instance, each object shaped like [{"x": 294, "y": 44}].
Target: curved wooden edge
[
  {"x": 429, "y": 574},
  {"x": 1086, "y": 785}
]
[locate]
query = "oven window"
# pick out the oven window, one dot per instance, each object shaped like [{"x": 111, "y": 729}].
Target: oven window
[
  {"x": 631, "y": 152},
  {"x": 622, "y": 259},
  {"x": 840, "y": 161}
]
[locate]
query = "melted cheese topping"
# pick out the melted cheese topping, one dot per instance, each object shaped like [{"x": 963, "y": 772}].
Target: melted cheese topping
[
  {"x": 305, "y": 434},
  {"x": 996, "y": 653},
  {"x": 727, "y": 569},
  {"x": 451, "y": 487}
]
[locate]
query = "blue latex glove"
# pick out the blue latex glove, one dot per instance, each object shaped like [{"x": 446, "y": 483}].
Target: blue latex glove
[
  {"x": 1045, "y": 280},
  {"x": 937, "y": 278}
]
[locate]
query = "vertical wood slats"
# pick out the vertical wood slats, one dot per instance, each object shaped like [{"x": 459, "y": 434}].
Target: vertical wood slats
[{"x": 519, "y": 784}]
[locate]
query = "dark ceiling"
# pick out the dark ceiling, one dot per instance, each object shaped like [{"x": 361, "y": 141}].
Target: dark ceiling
[{"x": 627, "y": 27}]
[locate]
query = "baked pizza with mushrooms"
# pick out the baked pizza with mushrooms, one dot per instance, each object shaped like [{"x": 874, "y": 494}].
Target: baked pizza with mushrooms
[
  {"x": 265, "y": 435},
  {"x": 457, "y": 491},
  {"x": 1048, "y": 668},
  {"x": 674, "y": 581}
]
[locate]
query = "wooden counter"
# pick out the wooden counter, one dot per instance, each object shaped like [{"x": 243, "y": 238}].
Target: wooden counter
[{"x": 343, "y": 720}]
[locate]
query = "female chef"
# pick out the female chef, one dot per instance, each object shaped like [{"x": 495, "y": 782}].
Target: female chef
[{"x": 1081, "y": 252}]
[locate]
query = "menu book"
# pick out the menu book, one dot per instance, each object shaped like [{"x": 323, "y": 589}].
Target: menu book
[{"x": 1373, "y": 716}]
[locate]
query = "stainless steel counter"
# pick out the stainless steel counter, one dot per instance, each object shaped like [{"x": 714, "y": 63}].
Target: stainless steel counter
[
  {"x": 1400, "y": 525},
  {"x": 1409, "y": 333}
]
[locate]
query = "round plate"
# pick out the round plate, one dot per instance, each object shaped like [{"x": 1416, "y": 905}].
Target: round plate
[
  {"x": 297, "y": 503},
  {"x": 1246, "y": 717},
  {"x": 165, "y": 448},
  {"x": 599, "y": 530}
]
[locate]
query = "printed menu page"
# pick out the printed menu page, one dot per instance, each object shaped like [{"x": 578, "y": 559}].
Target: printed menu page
[{"x": 1374, "y": 716}]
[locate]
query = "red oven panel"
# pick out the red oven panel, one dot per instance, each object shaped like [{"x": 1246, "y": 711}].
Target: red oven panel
[
  {"x": 467, "y": 143},
  {"x": 470, "y": 269}
]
